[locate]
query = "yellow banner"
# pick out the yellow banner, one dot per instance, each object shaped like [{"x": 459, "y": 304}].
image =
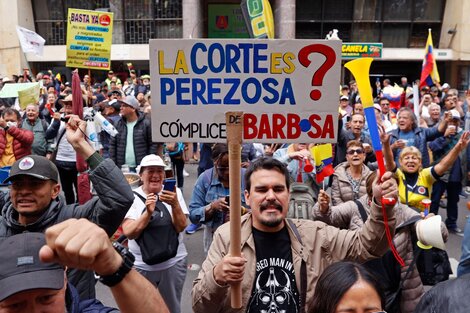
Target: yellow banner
[
  {"x": 89, "y": 39},
  {"x": 28, "y": 96}
]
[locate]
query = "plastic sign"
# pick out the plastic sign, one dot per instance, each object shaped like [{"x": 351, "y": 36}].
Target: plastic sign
[
  {"x": 287, "y": 89},
  {"x": 89, "y": 39},
  {"x": 354, "y": 50}
]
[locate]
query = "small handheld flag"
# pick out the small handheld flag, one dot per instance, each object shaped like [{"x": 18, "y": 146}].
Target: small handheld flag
[{"x": 323, "y": 155}]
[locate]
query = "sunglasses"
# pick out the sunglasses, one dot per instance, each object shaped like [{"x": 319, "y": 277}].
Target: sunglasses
[{"x": 352, "y": 151}]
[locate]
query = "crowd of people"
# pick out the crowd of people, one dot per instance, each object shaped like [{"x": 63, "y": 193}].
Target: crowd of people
[{"x": 327, "y": 260}]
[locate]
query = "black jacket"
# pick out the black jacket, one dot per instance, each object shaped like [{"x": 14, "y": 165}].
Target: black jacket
[
  {"x": 107, "y": 210},
  {"x": 143, "y": 144},
  {"x": 449, "y": 296}
]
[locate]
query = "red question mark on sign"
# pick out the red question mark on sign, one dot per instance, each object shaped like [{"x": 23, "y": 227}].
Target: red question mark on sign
[{"x": 317, "y": 78}]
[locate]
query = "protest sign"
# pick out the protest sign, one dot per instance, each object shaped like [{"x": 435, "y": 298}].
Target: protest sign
[
  {"x": 287, "y": 89},
  {"x": 11, "y": 90},
  {"x": 89, "y": 38},
  {"x": 28, "y": 96}
]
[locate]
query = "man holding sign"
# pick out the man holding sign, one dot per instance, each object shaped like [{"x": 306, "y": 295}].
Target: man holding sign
[{"x": 282, "y": 258}]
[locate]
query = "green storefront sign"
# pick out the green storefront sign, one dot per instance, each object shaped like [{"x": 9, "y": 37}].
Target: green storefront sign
[{"x": 354, "y": 50}]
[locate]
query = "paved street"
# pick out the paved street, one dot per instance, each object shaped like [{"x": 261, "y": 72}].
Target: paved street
[{"x": 196, "y": 254}]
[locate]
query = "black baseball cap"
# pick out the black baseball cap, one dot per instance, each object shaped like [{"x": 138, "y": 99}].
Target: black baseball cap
[
  {"x": 36, "y": 166},
  {"x": 22, "y": 270}
]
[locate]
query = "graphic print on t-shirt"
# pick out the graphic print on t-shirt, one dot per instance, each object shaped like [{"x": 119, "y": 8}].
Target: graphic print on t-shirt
[{"x": 274, "y": 288}]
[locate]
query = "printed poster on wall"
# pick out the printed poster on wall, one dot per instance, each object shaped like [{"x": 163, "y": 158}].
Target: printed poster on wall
[
  {"x": 89, "y": 39},
  {"x": 287, "y": 89}
]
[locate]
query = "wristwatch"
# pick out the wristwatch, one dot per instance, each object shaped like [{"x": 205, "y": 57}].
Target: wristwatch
[{"x": 127, "y": 263}]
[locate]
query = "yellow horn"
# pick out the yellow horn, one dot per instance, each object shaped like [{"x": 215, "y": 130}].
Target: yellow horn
[{"x": 360, "y": 69}]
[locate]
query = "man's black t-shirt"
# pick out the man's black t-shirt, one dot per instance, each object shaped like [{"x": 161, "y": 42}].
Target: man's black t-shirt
[{"x": 274, "y": 288}]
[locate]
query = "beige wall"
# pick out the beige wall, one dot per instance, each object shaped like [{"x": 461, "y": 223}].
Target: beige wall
[
  {"x": 13, "y": 12},
  {"x": 456, "y": 17}
]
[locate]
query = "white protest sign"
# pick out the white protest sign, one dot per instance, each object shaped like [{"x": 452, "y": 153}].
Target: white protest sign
[{"x": 287, "y": 89}]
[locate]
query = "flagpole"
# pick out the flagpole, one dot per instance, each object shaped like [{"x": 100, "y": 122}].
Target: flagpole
[{"x": 27, "y": 63}]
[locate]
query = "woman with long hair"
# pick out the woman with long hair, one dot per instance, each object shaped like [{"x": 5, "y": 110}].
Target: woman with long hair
[{"x": 347, "y": 287}]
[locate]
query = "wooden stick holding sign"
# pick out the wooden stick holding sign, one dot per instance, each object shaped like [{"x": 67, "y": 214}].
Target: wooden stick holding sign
[{"x": 234, "y": 121}]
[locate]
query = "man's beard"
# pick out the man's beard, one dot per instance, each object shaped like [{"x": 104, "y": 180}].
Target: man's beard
[{"x": 274, "y": 220}]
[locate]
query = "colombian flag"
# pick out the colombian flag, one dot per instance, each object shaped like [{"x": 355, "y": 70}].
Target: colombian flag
[
  {"x": 429, "y": 72},
  {"x": 323, "y": 155}
]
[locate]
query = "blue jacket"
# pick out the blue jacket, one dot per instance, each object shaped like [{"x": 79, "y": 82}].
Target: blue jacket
[
  {"x": 441, "y": 147},
  {"x": 207, "y": 189},
  {"x": 422, "y": 136}
]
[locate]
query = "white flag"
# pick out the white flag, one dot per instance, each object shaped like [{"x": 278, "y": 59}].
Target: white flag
[{"x": 30, "y": 41}]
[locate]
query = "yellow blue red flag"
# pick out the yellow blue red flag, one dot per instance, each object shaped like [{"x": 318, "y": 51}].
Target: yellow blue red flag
[
  {"x": 323, "y": 155},
  {"x": 429, "y": 73}
]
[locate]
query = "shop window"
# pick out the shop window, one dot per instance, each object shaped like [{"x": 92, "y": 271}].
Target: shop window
[
  {"x": 367, "y": 10},
  {"x": 308, "y": 10},
  {"x": 366, "y": 32},
  {"x": 419, "y": 34},
  {"x": 395, "y": 35},
  {"x": 344, "y": 30},
  {"x": 397, "y": 10},
  {"x": 430, "y": 10},
  {"x": 338, "y": 9},
  {"x": 308, "y": 30}
]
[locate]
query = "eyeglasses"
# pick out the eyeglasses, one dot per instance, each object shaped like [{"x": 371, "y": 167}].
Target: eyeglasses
[
  {"x": 352, "y": 151},
  {"x": 222, "y": 168}
]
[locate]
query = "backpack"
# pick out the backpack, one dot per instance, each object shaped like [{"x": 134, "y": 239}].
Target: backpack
[{"x": 301, "y": 201}]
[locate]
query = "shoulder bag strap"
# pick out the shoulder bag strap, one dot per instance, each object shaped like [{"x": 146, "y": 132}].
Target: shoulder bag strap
[
  {"x": 141, "y": 198},
  {"x": 59, "y": 139},
  {"x": 159, "y": 207},
  {"x": 362, "y": 211},
  {"x": 416, "y": 253},
  {"x": 303, "y": 270}
]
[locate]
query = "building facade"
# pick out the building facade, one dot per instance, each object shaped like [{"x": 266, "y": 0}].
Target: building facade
[{"x": 401, "y": 25}]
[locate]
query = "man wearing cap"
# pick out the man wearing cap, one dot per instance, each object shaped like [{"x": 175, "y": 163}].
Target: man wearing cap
[
  {"x": 453, "y": 180},
  {"x": 110, "y": 78},
  {"x": 97, "y": 95},
  {"x": 344, "y": 108},
  {"x": 171, "y": 273},
  {"x": 144, "y": 85},
  {"x": 134, "y": 140},
  {"x": 111, "y": 113},
  {"x": 33, "y": 267},
  {"x": 35, "y": 204},
  {"x": 15, "y": 142},
  {"x": 115, "y": 94}
]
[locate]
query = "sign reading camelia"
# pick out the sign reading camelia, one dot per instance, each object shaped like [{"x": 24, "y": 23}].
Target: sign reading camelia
[{"x": 354, "y": 50}]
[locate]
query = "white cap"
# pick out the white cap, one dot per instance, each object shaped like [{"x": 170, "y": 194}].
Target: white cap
[
  {"x": 378, "y": 107},
  {"x": 455, "y": 114},
  {"x": 152, "y": 160},
  {"x": 445, "y": 85},
  {"x": 344, "y": 98}
]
